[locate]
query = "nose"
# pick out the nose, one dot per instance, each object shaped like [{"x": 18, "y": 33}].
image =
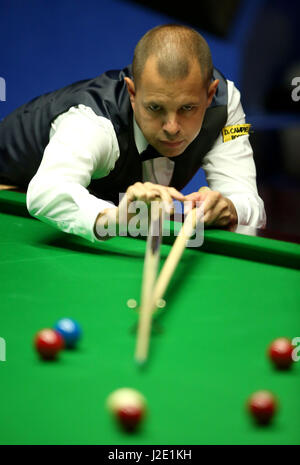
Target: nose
[{"x": 171, "y": 126}]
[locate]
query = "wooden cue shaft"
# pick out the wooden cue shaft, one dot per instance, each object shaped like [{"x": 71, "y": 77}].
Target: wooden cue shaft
[
  {"x": 149, "y": 276},
  {"x": 174, "y": 256},
  {"x": 172, "y": 261}
]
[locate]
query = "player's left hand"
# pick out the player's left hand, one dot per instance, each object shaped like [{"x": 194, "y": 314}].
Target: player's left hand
[{"x": 218, "y": 210}]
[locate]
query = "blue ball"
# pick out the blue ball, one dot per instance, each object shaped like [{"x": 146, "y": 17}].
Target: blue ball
[{"x": 70, "y": 331}]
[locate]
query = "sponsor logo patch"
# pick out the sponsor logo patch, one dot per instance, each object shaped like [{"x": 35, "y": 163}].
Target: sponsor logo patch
[{"x": 232, "y": 132}]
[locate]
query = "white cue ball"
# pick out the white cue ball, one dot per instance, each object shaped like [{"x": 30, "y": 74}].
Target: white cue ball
[{"x": 125, "y": 397}]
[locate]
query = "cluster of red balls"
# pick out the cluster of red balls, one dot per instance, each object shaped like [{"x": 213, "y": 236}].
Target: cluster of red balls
[{"x": 262, "y": 405}]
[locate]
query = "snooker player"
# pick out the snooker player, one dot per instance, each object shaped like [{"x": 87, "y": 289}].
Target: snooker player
[{"x": 144, "y": 130}]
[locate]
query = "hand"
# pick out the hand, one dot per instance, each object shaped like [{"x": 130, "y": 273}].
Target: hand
[
  {"x": 218, "y": 210},
  {"x": 146, "y": 192}
]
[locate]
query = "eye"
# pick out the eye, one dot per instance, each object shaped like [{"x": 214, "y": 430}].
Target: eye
[
  {"x": 153, "y": 107},
  {"x": 187, "y": 107}
]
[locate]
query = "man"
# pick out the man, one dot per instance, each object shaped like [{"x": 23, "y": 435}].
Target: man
[{"x": 83, "y": 145}]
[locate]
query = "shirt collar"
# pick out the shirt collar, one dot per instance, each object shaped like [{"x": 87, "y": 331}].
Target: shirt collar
[{"x": 139, "y": 138}]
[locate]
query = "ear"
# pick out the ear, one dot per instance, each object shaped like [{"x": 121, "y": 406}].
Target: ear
[
  {"x": 131, "y": 90},
  {"x": 211, "y": 91}
]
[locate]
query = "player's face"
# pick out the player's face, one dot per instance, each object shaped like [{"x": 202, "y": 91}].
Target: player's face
[{"x": 170, "y": 113}]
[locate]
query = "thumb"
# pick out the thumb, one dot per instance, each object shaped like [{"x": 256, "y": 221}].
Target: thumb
[{"x": 204, "y": 188}]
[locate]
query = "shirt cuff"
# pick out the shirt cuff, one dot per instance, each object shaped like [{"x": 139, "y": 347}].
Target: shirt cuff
[
  {"x": 250, "y": 212},
  {"x": 242, "y": 208},
  {"x": 93, "y": 208}
]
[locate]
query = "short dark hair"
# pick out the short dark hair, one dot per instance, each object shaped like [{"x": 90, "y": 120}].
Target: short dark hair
[{"x": 175, "y": 46}]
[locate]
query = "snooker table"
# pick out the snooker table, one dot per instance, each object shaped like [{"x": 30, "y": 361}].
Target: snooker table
[{"x": 226, "y": 302}]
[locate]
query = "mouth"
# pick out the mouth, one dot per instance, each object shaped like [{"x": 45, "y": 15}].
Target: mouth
[{"x": 172, "y": 144}]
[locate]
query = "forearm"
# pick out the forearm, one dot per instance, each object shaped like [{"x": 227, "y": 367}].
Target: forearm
[
  {"x": 66, "y": 206},
  {"x": 81, "y": 146}
]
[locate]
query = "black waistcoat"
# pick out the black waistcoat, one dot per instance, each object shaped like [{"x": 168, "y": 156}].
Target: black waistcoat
[{"x": 24, "y": 133}]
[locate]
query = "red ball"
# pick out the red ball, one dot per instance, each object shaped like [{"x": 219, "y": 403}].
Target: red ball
[
  {"x": 48, "y": 343},
  {"x": 130, "y": 417},
  {"x": 280, "y": 353},
  {"x": 262, "y": 405}
]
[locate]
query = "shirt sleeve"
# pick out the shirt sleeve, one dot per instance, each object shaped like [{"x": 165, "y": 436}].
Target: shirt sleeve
[
  {"x": 230, "y": 169},
  {"x": 82, "y": 146}
]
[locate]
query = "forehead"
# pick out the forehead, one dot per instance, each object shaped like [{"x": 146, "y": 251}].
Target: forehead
[{"x": 154, "y": 86}]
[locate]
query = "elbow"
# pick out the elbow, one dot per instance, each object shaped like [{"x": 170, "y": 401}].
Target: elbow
[{"x": 34, "y": 199}]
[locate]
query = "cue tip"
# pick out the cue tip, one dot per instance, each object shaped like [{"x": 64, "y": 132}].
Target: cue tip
[{"x": 140, "y": 361}]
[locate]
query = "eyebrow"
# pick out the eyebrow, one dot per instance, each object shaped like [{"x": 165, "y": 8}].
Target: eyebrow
[{"x": 161, "y": 104}]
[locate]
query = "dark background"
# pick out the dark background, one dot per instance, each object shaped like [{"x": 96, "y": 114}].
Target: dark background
[{"x": 255, "y": 43}]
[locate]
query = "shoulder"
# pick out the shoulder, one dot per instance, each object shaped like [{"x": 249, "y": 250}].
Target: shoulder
[
  {"x": 83, "y": 117},
  {"x": 235, "y": 109},
  {"x": 227, "y": 93}
]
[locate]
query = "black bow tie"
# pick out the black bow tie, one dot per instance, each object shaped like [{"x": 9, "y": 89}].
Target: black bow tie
[{"x": 149, "y": 153}]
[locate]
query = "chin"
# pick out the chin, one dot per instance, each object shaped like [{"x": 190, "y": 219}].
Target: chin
[{"x": 173, "y": 153}]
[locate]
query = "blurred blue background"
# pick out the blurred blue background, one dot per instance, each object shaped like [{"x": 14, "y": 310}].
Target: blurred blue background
[{"x": 46, "y": 45}]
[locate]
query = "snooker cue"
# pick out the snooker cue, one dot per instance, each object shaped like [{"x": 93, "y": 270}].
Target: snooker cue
[
  {"x": 151, "y": 261},
  {"x": 174, "y": 256}
]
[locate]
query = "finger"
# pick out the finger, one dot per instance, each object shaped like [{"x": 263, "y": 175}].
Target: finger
[
  {"x": 198, "y": 196},
  {"x": 167, "y": 202},
  {"x": 146, "y": 193},
  {"x": 165, "y": 198},
  {"x": 193, "y": 196},
  {"x": 153, "y": 194},
  {"x": 204, "y": 189},
  {"x": 192, "y": 201},
  {"x": 219, "y": 215},
  {"x": 135, "y": 191},
  {"x": 175, "y": 194},
  {"x": 210, "y": 207},
  {"x": 211, "y": 199}
]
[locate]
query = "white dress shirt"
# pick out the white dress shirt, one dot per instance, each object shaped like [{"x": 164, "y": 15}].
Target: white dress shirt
[{"x": 84, "y": 146}]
